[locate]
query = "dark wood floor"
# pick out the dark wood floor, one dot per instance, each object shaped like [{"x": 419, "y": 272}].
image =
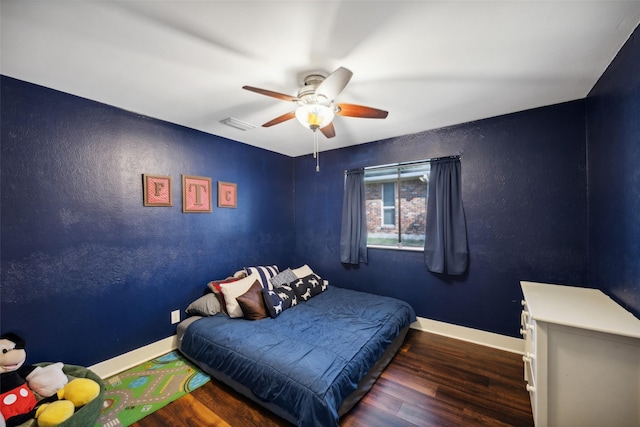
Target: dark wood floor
[{"x": 432, "y": 381}]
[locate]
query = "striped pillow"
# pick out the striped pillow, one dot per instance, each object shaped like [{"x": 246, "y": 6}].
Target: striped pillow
[{"x": 264, "y": 273}]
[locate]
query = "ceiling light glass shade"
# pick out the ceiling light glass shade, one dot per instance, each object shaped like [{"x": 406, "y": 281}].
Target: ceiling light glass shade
[{"x": 314, "y": 116}]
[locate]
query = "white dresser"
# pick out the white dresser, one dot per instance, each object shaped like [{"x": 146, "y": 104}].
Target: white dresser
[{"x": 582, "y": 357}]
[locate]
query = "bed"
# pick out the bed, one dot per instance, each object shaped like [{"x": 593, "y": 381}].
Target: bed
[{"x": 311, "y": 361}]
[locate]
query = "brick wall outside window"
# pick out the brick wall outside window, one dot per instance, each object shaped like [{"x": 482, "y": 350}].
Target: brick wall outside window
[{"x": 413, "y": 198}]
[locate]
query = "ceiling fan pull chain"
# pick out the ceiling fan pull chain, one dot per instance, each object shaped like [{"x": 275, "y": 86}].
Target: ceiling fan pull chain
[{"x": 316, "y": 154}]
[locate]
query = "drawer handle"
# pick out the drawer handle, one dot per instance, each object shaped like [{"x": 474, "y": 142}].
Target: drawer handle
[
  {"x": 528, "y": 357},
  {"x": 523, "y": 332},
  {"x": 531, "y": 388}
]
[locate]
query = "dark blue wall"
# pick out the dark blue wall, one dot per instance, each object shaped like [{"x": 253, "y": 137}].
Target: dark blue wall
[
  {"x": 88, "y": 272},
  {"x": 524, "y": 191},
  {"x": 613, "y": 140}
]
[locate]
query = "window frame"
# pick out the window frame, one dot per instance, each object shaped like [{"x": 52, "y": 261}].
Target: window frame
[{"x": 397, "y": 171}]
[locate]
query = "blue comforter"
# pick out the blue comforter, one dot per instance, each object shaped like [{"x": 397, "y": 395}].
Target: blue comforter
[{"x": 309, "y": 358}]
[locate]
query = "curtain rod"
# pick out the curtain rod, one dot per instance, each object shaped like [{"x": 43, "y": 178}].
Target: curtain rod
[{"x": 413, "y": 163}]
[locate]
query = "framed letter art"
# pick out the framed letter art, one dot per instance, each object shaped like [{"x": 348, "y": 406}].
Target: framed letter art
[
  {"x": 227, "y": 195},
  {"x": 196, "y": 194},
  {"x": 156, "y": 190}
]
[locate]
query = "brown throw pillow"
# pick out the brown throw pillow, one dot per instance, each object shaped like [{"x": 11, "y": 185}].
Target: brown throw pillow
[{"x": 252, "y": 304}]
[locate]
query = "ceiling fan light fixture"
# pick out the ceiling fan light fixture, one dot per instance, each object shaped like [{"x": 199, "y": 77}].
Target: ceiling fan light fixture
[{"x": 314, "y": 116}]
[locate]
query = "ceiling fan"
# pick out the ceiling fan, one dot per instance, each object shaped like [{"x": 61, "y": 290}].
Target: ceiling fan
[{"x": 315, "y": 102}]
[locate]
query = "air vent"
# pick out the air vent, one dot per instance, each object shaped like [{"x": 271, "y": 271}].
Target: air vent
[{"x": 238, "y": 124}]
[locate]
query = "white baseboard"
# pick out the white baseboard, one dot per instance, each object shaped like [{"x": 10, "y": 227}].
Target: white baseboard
[
  {"x": 476, "y": 336},
  {"x": 135, "y": 357}
]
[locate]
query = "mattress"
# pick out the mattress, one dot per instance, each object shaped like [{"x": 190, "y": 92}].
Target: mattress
[{"x": 306, "y": 362}]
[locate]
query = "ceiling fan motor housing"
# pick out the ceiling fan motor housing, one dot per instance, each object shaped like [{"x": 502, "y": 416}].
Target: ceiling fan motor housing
[{"x": 307, "y": 93}]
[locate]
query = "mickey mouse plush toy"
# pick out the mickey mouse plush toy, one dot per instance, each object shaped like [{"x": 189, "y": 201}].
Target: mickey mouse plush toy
[{"x": 18, "y": 381}]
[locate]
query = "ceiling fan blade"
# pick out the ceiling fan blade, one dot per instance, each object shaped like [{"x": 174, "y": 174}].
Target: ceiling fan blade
[
  {"x": 352, "y": 110},
  {"x": 335, "y": 82},
  {"x": 329, "y": 131},
  {"x": 283, "y": 118},
  {"x": 271, "y": 93}
]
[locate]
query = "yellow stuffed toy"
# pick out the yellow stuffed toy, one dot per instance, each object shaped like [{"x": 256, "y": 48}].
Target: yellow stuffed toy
[{"x": 76, "y": 393}]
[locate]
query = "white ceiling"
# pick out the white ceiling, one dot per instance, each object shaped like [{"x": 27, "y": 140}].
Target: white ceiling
[{"x": 429, "y": 63}]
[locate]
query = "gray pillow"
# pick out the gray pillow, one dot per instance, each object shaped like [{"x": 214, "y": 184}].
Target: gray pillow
[
  {"x": 206, "y": 305},
  {"x": 283, "y": 278}
]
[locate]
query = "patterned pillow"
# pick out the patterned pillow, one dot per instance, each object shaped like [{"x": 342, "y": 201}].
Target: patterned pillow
[
  {"x": 264, "y": 273},
  {"x": 287, "y": 295},
  {"x": 279, "y": 299},
  {"x": 283, "y": 278},
  {"x": 309, "y": 286}
]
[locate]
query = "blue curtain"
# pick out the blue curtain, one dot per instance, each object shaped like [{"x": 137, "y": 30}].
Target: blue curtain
[
  {"x": 445, "y": 247},
  {"x": 353, "y": 236}
]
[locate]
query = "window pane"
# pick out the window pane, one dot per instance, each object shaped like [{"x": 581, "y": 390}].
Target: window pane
[
  {"x": 389, "y": 193},
  {"x": 380, "y": 193},
  {"x": 389, "y": 217},
  {"x": 413, "y": 204}
]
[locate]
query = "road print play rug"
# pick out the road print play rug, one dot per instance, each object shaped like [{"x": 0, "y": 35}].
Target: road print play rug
[{"x": 141, "y": 390}]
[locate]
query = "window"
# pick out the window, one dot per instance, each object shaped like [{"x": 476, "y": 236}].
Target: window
[{"x": 396, "y": 203}]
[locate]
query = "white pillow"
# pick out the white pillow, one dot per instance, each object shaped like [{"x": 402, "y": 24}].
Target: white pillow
[
  {"x": 233, "y": 290},
  {"x": 303, "y": 271},
  {"x": 239, "y": 274}
]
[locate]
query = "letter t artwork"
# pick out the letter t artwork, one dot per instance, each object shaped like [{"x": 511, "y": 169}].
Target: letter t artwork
[{"x": 196, "y": 194}]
